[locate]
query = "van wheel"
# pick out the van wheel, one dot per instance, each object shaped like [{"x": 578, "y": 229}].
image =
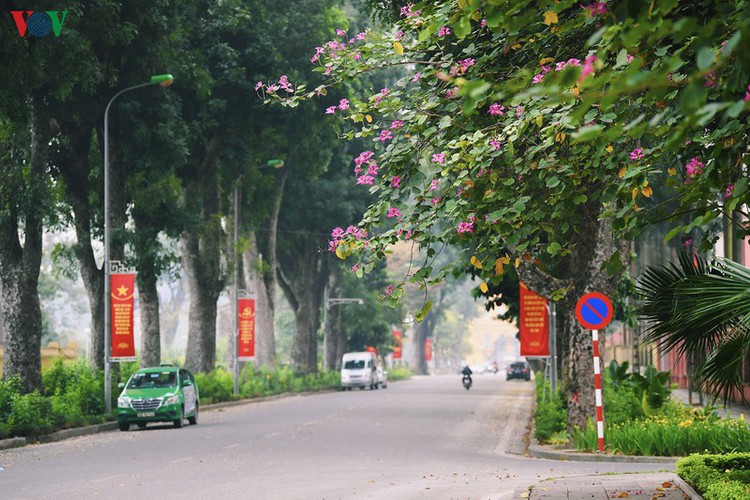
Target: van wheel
[
  {"x": 180, "y": 421},
  {"x": 194, "y": 419}
]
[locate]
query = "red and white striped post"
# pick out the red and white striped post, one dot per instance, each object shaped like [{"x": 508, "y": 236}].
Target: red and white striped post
[{"x": 598, "y": 392}]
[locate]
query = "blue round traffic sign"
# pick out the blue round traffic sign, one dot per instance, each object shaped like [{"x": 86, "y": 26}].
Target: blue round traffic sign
[{"x": 594, "y": 311}]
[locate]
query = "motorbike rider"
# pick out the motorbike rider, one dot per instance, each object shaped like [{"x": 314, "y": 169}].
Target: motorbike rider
[{"x": 466, "y": 372}]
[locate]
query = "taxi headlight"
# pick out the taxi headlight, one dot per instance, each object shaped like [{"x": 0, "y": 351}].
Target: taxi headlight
[
  {"x": 171, "y": 400},
  {"x": 123, "y": 402}
]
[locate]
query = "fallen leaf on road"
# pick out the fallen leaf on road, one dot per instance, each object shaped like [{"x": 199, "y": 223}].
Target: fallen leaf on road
[
  {"x": 667, "y": 484},
  {"x": 623, "y": 494},
  {"x": 525, "y": 494}
]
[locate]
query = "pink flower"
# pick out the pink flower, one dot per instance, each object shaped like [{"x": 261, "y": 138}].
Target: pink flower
[
  {"x": 451, "y": 92},
  {"x": 496, "y": 109},
  {"x": 344, "y": 104},
  {"x": 694, "y": 167},
  {"x": 483, "y": 24},
  {"x": 331, "y": 110},
  {"x": 465, "y": 227},
  {"x": 728, "y": 192},
  {"x": 284, "y": 84},
  {"x": 439, "y": 158},
  {"x": 399, "y": 35},
  {"x": 366, "y": 180},
  {"x": 385, "y": 135},
  {"x": 538, "y": 78},
  {"x": 355, "y": 267},
  {"x": 588, "y": 67},
  {"x": 393, "y": 212},
  {"x": 258, "y": 85},
  {"x": 395, "y": 182},
  {"x": 597, "y": 9},
  {"x": 405, "y": 234},
  {"x": 687, "y": 242},
  {"x": 360, "y": 36},
  {"x": 636, "y": 154},
  {"x": 397, "y": 124},
  {"x": 747, "y": 94},
  {"x": 416, "y": 78},
  {"x": 340, "y": 32},
  {"x": 337, "y": 233},
  {"x": 495, "y": 144},
  {"x": 519, "y": 111},
  {"x": 434, "y": 185},
  {"x": 630, "y": 58},
  {"x": 389, "y": 290},
  {"x": 435, "y": 201},
  {"x": 711, "y": 80},
  {"x": 407, "y": 11},
  {"x": 444, "y": 31}
]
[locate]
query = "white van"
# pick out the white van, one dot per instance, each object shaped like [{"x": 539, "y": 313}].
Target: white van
[{"x": 359, "y": 369}]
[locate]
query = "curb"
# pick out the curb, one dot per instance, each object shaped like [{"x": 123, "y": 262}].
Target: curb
[{"x": 539, "y": 451}]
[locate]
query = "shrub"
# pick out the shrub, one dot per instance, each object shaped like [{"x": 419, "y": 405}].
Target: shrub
[
  {"x": 717, "y": 477},
  {"x": 399, "y": 373},
  {"x": 550, "y": 416},
  {"x": 216, "y": 386},
  {"x": 30, "y": 414}
]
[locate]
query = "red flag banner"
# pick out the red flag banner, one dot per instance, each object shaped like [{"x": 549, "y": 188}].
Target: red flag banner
[
  {"x": 397, "y": 338},
  {"x": 428, "y": 349},
  {"x": 534, "y": 324},
  {"x": 122, "y": 295},
  {"x": 246, "y": 326}
]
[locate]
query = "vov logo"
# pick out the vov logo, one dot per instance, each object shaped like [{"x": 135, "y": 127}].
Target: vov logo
[{"x": 39, "y": 24}]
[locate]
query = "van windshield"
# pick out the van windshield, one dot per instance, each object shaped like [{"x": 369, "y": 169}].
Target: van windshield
[{"x": 354, "y": 364}]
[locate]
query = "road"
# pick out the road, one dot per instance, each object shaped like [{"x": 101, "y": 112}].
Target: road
[{"x": 422, "y": 438}]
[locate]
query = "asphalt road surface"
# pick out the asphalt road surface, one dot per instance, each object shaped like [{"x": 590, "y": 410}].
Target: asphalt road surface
[{"x": 423, "y": 438}]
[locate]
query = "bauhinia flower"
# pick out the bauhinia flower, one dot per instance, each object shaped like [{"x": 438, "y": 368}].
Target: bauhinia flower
[
  {"x": 694, "y": 167},
  {"x": 438, "y": 158},
  {"x": 465, "y": 227},
  {"x": 636, "y": 154},
  {"x": 496, "y": 109},
  {"x": 393, "y": 212}
]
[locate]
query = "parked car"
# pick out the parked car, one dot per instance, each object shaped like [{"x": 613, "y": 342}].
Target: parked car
[
  {"x": 519, "y": 369},
  {"x": 382, "y": 377},
  {"x": 159, "y": 394},
  {"x": 359, "y": 369}
]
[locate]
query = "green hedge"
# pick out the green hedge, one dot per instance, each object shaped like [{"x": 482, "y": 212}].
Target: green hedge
[{"x": 717, "y": 477}]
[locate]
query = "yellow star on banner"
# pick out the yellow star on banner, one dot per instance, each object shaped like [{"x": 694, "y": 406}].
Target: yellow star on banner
[{"x": 123, "y": 290}]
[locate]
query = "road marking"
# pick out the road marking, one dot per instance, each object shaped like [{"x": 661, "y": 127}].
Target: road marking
[{"x": 229, "y": 447}]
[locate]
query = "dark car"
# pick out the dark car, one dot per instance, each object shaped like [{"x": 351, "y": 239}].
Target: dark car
[{"x": 519, "y": 369}]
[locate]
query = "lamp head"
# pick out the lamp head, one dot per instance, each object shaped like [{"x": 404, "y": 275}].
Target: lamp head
[{"x": 163, "y": 80}]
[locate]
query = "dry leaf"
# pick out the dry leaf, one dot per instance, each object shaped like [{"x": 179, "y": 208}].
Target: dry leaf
[
  {"x": 550, "y": 17},
  {"x": 398, "y": 48},
  {"x": 476, "y": 262},
  {"x": 666, "y": 484},
  {"x": 623, "y": 494},
  {"x": 483, "y": 287}
]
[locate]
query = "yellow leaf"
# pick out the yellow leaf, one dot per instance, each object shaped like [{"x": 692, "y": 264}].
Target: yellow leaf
[
  {"x": 463, "y": 3},
  {"x": 621, "y": 173},
  {"x": 575, "y": 91},
  {"x": 609, "y": 148},
  {"x": 635, "y": 192},
  {"x": 398, "y": 48},
  {"x": 672, "y": 171},
  {"x": 647, "y": 192},
  {"x": 546, "y": 60},
  {"x": 560, "y": 137},
  {"x": 368, "y": 118},
  {"x": 506, "y": 259},
  {"x": 483, "y": 287},
  {"x": 518, "y": 261},
  {"x": 515, "y": 46},
  {"x": 550, "y": 17},
  {"x": 498, "y": 267},
  {"x": 476, "y": 262},
  {"x": 539, "y": 120},
  {"x": 341, "y": 252}
]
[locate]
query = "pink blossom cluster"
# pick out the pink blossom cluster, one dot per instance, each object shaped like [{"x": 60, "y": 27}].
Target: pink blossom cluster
[
  {"x": 385, "y": 135},
  {"x": 559, "y": 66},
  {"x": 694, "y": 167},
  {"x": 636, "y": 154},
  {"x": 338, "y": 234},
  {"x": 728, "y": 191},
  {"x": 540, "y": 76},
  {"x": 405, "y": 233},
  {"x": 393, "y": 212},
  {"x": 496, "y": 109},
  {"x": 408, "y": 11},
  {"x": 495, "y": 143},
  {"x": 282, "y": 84},
  {"x": 379, "y": 96},
  {"x": 335, "y": 47},
  {"x": 444, "y": 31},
  {"x": 465, "y": 227},
  {"x": 462, "y": 66},
  {"x": 588, "y": 67},
  {"x": 396, "y": 125},
  {"x": 712, "y": 80},
  {"x": 343, "y": 105},
  {"x": 438, "y": 158},
  {"x": 451, "y": 92},
  {"x": 366, "y": 160},
  {"x": 596, "y": 8},
  {"x": 395, "y": 182}
]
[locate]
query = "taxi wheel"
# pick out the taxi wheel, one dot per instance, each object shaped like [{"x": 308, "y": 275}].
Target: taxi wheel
[
  {"x": 194, "y": 419},
  {"x": 180, "y": 421},
  {"x": 124, "y": 426}
]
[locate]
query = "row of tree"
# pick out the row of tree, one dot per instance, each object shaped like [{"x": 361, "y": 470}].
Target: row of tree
[{"x": 176, "y": 157}]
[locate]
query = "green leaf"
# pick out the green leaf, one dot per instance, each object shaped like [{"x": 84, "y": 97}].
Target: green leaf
[
  {"x": 553, "y": 182},
  {"x": 705, "y": 58},
  {"x": 554, "y": 248},
  {"x": 736, "y": 108},
  {"x": 422, "y": 313},
  {"x": 587, "y": 133}
]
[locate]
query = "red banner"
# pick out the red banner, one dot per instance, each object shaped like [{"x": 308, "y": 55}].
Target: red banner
[
  {"x": 246, "y": 325},
  {"x": 534, "y": 324},
  {"x": 397, "y": 337},
  {"x": 428, "y": 349},
  {"x": 122, "y": 295}
]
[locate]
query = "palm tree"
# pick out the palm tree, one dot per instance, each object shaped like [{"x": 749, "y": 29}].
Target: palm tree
[{"x": 700, "y": 307}]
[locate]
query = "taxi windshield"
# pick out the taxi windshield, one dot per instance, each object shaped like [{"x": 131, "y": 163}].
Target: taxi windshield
[{"x": 152, "y": 380}]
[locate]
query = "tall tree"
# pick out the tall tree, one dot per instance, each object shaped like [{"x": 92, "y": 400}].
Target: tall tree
[{"x": 536, "y": 131}]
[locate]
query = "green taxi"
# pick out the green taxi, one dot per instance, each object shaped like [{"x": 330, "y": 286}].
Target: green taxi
[{"x": 160, "y": 394}]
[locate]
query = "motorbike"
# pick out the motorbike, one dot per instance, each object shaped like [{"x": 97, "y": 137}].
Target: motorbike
[{"x": 466, "y": 380}]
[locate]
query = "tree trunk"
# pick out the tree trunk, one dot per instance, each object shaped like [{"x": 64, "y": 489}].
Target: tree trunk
[
  {"x": 303, "y": 286},
  {"x": 19, "y": 264},
  {"x": 582, "y": 272},
  {"x": 148, "y": 300}
]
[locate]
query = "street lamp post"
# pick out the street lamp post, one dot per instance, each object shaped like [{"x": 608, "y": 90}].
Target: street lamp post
[
  {"x": 327, "y": 303},
  {"x": 164, "y": 81},
  {"x": 235, "y": 275}
]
